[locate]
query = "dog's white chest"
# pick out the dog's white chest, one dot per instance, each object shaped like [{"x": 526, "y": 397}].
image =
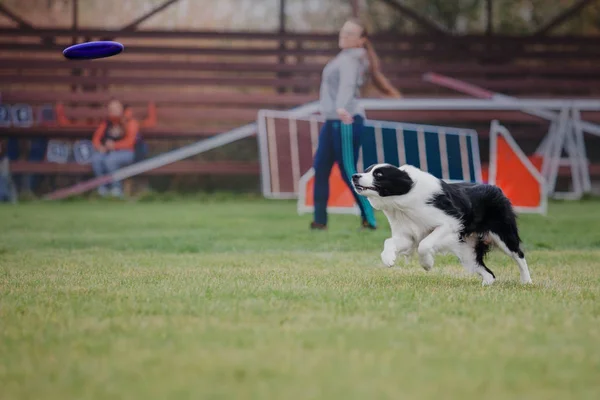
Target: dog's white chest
[{"x": 412, "y": 223}]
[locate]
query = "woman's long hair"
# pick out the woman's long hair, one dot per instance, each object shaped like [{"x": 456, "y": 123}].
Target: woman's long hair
[{"x": 380, "y": 81}]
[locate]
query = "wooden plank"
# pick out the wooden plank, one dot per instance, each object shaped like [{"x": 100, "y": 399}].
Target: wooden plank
[
  {"x": 158, "y": 97},
  {"x": 163, "y": 80},
  {"x": 232, "y": 81},
  {"x": 159, "y": 132},
  {"x": 174, "y": 50},
  {"x": 173, "y": 113},
  {"x": 437, "y": 51},
  {"x": 168, "y": 34},
  {"x": 186, "y": 167},
  {"x": 405, "y": 83},
  {"x": 54, "y": 64},
  {"x": 457, "y": 69}
]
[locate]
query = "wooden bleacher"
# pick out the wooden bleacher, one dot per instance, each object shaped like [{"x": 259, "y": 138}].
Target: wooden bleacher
[{"x": 204, "y": 83}]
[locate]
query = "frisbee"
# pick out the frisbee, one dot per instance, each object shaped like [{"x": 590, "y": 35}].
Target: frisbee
[{"x": 92, "y": 50}]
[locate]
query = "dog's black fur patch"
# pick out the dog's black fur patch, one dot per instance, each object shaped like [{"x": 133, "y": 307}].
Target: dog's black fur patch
[
  {"x": 391, "y": 181},
  {"x": 481, "y": 249},
  {"x": 482, "y": 209}
]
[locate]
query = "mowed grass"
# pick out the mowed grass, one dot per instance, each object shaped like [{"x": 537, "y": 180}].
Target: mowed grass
[{"x": 238, "y": 299}]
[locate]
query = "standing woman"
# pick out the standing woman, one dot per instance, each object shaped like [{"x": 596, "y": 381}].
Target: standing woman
[{"x": 339, "y": 139}]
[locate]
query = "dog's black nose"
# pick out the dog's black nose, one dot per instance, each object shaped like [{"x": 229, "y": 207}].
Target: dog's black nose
[{"x": 355, "y": 178}]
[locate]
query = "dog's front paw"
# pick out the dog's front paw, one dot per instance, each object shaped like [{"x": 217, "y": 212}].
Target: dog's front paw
[
  {"x": 487, "y": 280},
  {"x": 526, "y": 281},
  {"x": 388, "y": 258}
]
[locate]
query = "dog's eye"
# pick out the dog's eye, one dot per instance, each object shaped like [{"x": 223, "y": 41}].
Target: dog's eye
[{"x": 377, "y": 174}]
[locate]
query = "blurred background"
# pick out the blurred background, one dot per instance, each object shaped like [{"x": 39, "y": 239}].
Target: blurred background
[{"x": 194, "y": 69}]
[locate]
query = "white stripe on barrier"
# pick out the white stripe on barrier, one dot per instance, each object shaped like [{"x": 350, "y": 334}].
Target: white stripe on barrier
[
  {"x": 379, "y": 143},
  {"x": 464, "y": 158},
  {"x": 476, "y": 157},
  {"x": 422, "y": 149},
  {"x": 400, "y": 142},
  {"x": 295, "y": 154},
  {"x": 360, "y": 162},
  {"x": 443, "y": 154}
]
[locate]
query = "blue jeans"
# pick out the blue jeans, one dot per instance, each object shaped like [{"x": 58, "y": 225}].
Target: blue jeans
[
  {"x": 107, "y": 163},
  {"x": 338, "y": 143}
]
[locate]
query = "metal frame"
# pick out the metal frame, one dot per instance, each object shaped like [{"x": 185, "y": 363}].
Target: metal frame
[
  {"x": 453, "y": 104},
  {"x": 565, "y": 132}
]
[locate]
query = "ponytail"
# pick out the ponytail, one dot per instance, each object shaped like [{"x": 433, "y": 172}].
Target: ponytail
[{"x": 380, "y": 81}]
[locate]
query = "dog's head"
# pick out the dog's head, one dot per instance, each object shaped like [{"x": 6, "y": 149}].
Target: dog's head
[{"x": 382, "y": 180}]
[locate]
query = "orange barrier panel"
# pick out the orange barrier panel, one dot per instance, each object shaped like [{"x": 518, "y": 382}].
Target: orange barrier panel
[
  {"x": 341, "y": 199},
  {"x": 516, "y": 174}
]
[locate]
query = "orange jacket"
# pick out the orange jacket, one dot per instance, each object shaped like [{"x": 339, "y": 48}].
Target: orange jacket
[{"x": 127, "y": 142}]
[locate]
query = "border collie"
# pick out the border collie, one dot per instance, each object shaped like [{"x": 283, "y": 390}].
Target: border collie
[{"x": 431, "y": 216}]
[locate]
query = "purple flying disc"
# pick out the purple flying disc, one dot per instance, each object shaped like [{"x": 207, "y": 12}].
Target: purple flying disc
[{"x": 91, "y": 50}]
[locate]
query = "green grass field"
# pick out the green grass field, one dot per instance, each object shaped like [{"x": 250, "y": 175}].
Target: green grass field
[{"x": 238, "y": 299}]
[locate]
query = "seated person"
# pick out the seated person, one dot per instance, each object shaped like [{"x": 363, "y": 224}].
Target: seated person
[{"x": 114, "y": 144}]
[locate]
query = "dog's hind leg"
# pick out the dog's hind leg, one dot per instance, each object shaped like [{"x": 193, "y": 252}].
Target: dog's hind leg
[
  {"x": 512, "y": 249},
  {"x": 471, "y": 253},
  {"x": 441, "y": 238}
]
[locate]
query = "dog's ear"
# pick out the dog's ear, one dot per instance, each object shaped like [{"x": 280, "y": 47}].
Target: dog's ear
[{"x": 394, "y": 182}]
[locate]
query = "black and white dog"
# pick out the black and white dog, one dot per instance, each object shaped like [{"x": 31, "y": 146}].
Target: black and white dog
[{"x": 432, "y": 216}]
